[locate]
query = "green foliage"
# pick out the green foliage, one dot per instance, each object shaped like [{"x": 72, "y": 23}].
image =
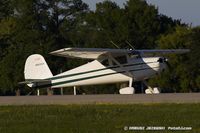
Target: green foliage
[
  {"x": 145, "y": 24},
  {"x": 198, "y": 81},
  {"x": 184, "y": 72},
  {"x": 6, "y": 8},
  {"x": 35, "y": 27},
  {"x": 96, "y": 118}
]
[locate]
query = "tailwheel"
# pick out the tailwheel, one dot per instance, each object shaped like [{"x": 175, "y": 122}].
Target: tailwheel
[{"x": 32, "y": 90}]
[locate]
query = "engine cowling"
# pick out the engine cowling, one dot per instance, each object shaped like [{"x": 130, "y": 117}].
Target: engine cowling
[{"x": 127, "y": 90}]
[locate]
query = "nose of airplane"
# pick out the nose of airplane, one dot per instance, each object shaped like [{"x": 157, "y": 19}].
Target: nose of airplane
[{"x": 163, "y": 62}]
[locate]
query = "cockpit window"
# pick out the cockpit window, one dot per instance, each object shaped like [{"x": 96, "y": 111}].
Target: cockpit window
[
  {"x": 162, "y": 60},
  {"x": 134, "y": 56},
  {"x": 111, "y": 62},
  {"x": 121, "y": 59},
  {"x": 105, "y": 62}
]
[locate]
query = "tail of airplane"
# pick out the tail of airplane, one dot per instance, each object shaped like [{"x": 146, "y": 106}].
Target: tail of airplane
[
  {"x": 36, "y": 68},
  {"x": 36, "y": 71}
]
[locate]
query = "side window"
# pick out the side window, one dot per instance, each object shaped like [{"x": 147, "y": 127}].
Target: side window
[
  {"x": 121, "y": 59},
  {"x": 105, "y": 62},
  {"x": 134, "y": 55},
  {"x": 113, "y": 63}
]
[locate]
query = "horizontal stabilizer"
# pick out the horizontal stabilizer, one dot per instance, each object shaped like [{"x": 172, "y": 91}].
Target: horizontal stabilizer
[{"x": 36, "y": 83}]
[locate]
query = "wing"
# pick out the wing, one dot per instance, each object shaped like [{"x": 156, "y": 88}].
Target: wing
[
  {"x": 96, "y": 53},
  {"x": 88, "y": 53},
  {"x": 162, "y": 51}
]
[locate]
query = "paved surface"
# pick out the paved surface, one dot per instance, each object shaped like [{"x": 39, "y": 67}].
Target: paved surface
[{"x": 100, "y": 99}]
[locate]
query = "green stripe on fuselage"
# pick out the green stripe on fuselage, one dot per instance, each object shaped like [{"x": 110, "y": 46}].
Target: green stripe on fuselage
[
  {"x": 75, "y": 80},
  {"x": 69, "y": 75}
]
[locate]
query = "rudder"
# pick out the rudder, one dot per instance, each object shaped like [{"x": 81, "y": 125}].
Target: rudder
[{"x": 36, "y": 68}]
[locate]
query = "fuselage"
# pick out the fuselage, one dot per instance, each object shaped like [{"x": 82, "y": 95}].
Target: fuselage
[{"x": 96, "y": 72}]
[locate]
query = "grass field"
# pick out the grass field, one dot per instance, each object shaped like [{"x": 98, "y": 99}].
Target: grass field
[{"x": 96, "y": 118}]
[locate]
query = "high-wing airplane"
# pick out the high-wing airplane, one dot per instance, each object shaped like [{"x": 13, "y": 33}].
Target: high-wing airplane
[{"x": 108, "y": 66}]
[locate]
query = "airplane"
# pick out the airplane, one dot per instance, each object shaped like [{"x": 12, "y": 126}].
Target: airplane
[{"x": 107, "y": 66}]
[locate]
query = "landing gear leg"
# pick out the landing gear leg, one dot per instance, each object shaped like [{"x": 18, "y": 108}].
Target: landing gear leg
[
  {"x": 74, "y": 90},
  {"x": 38, "y": 92},
  {"x": 150, "y": 90},
  {"x": 129, "y": 89},
  {"x": 130, "y": 82}
]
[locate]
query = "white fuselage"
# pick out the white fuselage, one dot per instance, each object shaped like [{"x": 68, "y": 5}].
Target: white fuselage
[{"x": 94, "y": 73}]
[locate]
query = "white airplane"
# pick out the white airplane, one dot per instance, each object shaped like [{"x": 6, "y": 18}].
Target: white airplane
[{"x": 108, "y": 66}]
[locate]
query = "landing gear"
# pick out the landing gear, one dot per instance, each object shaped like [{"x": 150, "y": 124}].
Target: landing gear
[
  {"x": 33, "y": 90},
  {"x": 38, "y": 92},
  {"x": 74, "y": 90},
  {"x": 128, "y": 90},
  {"x": 130, "y": 82},
  {"x": 151, "y": 90}
]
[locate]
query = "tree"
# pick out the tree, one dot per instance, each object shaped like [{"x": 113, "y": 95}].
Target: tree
[
  {"x": 138, "y": 23},
  {"x": 183, "y": 75},
  {"x": 35, "y": 27},
  {"x": 145, "y": 23}
]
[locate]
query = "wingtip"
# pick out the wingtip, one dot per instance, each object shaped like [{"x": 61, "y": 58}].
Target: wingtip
[{"x": 58, "y": 51}]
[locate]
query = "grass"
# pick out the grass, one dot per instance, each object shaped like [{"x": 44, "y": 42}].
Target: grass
[{"x": 96, "y": 118}]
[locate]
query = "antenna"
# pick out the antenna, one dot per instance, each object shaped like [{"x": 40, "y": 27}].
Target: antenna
[
  {"x": 115, "y": 45},
  {"x": 130, "y": 45}
]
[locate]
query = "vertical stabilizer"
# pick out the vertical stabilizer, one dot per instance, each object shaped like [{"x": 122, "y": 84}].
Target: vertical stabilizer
[{"x": 36, "y": 68}]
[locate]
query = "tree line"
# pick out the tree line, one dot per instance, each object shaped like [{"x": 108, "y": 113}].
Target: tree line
[{"x": 41, "y": 26}]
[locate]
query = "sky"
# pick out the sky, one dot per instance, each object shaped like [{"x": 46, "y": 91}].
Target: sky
[{"x": 188, "y": 11}]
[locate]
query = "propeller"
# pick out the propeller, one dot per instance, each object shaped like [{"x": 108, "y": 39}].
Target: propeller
[
  {"x": 164, "y": 60},
  {"x": 168, "y": 64}
]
